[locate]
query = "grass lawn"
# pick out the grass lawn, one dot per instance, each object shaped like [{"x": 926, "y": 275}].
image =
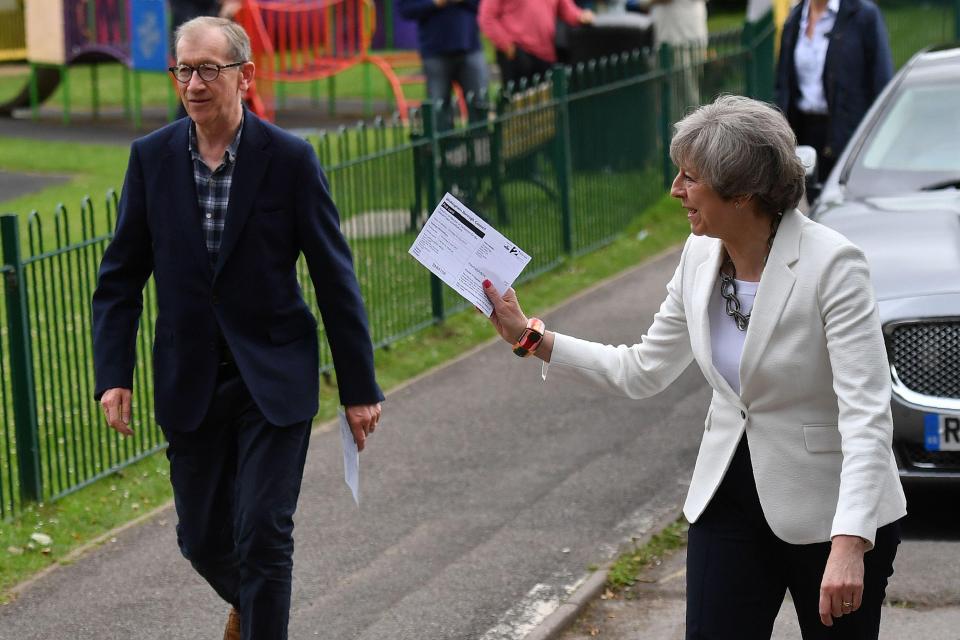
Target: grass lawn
[
  {"x": 93, "y": 169},
  {"x": 86, "y": 515}
]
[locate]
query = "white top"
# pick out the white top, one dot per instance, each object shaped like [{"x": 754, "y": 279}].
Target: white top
[
  {"x": 726, "y": 340},
  {"x": 680, "y": 22},
  {"x": 810, "y": 57}
]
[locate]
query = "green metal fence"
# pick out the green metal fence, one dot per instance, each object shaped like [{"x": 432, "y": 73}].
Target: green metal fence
[
  {"x": 74, "y": 447},
  {"x": 9, "y": 474},
  {"x": 559, "y": 167}
]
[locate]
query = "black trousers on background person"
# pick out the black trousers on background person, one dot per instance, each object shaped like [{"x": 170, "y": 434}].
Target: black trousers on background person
[
  {"x": 523, "y": 65},
  {"x": 236, "y": 480},
  {"x": 813, "y": 129},
  {"x": 738, "y": 571}
]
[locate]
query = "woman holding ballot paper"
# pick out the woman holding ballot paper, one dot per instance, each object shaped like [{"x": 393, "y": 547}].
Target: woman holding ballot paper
[{"x": 795, "y": 485}]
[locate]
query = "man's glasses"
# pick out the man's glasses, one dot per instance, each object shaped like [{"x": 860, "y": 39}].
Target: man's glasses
[{"x": 208, "y": 72}]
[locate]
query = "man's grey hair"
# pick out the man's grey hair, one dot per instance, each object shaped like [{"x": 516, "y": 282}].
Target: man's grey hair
[
  {"x": 741, "y": 147},
  {"x": 238, "y": 43}
]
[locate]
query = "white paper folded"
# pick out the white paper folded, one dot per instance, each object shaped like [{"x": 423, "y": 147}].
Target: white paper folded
[
  {"x": 461, "y": 249},
  {"x": 351, "y": 458}
]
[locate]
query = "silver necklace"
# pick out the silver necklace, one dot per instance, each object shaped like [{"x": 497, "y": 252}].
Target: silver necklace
[{"x": 728, "y": 282}]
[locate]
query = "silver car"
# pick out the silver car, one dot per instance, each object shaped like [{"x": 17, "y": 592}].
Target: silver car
[{"x": 895, "y": 192}]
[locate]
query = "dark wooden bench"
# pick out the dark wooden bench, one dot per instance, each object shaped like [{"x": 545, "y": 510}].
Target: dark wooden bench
[{"x": 476, "y": 161}]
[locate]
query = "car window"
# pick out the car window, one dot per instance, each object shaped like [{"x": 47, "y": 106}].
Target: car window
[
  {"x": 921, "y": 132},
  {"x": 913, "y": 144}
]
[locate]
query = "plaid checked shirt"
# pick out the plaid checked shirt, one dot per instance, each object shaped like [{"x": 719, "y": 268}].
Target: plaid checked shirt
[{"x": 213, "y": 190}]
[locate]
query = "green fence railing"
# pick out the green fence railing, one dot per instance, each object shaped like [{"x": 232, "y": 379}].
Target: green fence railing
[
  {"x": 560, "y": 167},
  {"x": 10, "y": 495}
]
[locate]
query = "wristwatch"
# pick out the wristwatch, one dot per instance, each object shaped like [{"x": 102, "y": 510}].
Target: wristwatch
[{"x": 530, "y": 339}]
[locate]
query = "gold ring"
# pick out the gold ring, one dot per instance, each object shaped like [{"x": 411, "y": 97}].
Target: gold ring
[{"x": 846, "y": 604}]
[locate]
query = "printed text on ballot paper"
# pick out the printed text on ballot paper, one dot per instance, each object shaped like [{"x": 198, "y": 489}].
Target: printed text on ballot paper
[{"x": 461, "y": 249}]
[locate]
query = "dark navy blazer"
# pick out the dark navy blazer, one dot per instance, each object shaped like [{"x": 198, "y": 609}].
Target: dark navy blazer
[
  {"x": 280, "y": 206},
  {"x": 857, "y": 68}
]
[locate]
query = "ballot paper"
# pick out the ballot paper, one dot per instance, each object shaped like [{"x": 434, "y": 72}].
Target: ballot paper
[
  {"x": 351, "y": 458},
  {"x": 461, "y": 249}
]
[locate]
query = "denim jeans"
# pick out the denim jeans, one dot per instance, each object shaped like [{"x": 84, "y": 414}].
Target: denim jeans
[{"x": 469, "y": 70}]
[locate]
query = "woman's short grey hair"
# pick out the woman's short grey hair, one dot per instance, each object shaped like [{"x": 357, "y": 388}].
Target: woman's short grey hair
[
  {"x": 741, "y": 147},
  {"x": 238, "y": 43}
]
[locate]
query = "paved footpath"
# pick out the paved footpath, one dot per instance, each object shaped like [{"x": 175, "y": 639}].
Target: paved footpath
[
  {"x": 486, "y": 496},
  {"x": 923, "y": 598}
]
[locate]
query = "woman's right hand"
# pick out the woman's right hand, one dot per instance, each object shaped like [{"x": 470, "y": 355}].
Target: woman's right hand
[{"x": 507, "y": 317}]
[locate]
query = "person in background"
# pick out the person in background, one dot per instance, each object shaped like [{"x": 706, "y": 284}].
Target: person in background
[
  {"x": 218, "y": 207},
  {"x": 449, "y": 43},
  {"x": 834, "y": 61},
  {"x": 524, "y": 32},
  {"x": 676, "y": 22},
  {"x": 795, "y": 485},
  {"x": 682, "y": 24}
]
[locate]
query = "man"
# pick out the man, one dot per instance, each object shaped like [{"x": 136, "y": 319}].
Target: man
[
  {"x": 218, "y": 206},
  {"x": 449, "y": 42}
]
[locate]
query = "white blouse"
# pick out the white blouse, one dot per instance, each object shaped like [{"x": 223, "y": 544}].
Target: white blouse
[{"x": 726, "y": 340}]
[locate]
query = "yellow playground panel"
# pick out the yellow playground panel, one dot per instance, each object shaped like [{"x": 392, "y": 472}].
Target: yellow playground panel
[{"x": 13, "y": 41}]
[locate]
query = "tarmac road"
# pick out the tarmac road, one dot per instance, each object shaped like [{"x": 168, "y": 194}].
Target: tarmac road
[
  {"x": 923, "y": 596},
  {"x": 485, "y": 498}
]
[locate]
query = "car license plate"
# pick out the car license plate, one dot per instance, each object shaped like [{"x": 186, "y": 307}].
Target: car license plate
[{"x": 941, "y": 432}]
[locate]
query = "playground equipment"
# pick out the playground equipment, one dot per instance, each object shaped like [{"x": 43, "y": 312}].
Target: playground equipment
[
  {"x": 61, "y": 33},
  {"x": 12, "y": 43},
  {"x": 309, "y": 40},
  {"x": 294, "y": 41}
]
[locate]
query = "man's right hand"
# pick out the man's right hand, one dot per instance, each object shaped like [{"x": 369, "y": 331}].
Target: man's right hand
[{"x": 116, "y": 407}]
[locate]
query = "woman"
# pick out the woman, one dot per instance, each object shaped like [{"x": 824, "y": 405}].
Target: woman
[
  {"x": 834, "y": 61},
  {"x": 795, "y": 485}
]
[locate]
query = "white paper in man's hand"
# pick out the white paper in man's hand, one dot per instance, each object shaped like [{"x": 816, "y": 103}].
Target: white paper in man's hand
[
  {"x": 461, "y": 249},
  {"x": 351, "y": 458}
]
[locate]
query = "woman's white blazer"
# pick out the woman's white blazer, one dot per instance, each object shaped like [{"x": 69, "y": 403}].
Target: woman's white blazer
[{"x": 814, "y": 380}]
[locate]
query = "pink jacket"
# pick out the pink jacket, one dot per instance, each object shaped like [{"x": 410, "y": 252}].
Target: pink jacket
[{"x": 528, "y": 24}]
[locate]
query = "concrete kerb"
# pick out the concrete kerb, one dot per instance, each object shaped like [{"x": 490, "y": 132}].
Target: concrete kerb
[{"x": 566, "y": 614}]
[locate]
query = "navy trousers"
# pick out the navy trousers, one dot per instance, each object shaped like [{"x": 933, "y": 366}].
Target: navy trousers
[
  {"x": 236, "y": 480},
  {"x": 738, "y": 571}
]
